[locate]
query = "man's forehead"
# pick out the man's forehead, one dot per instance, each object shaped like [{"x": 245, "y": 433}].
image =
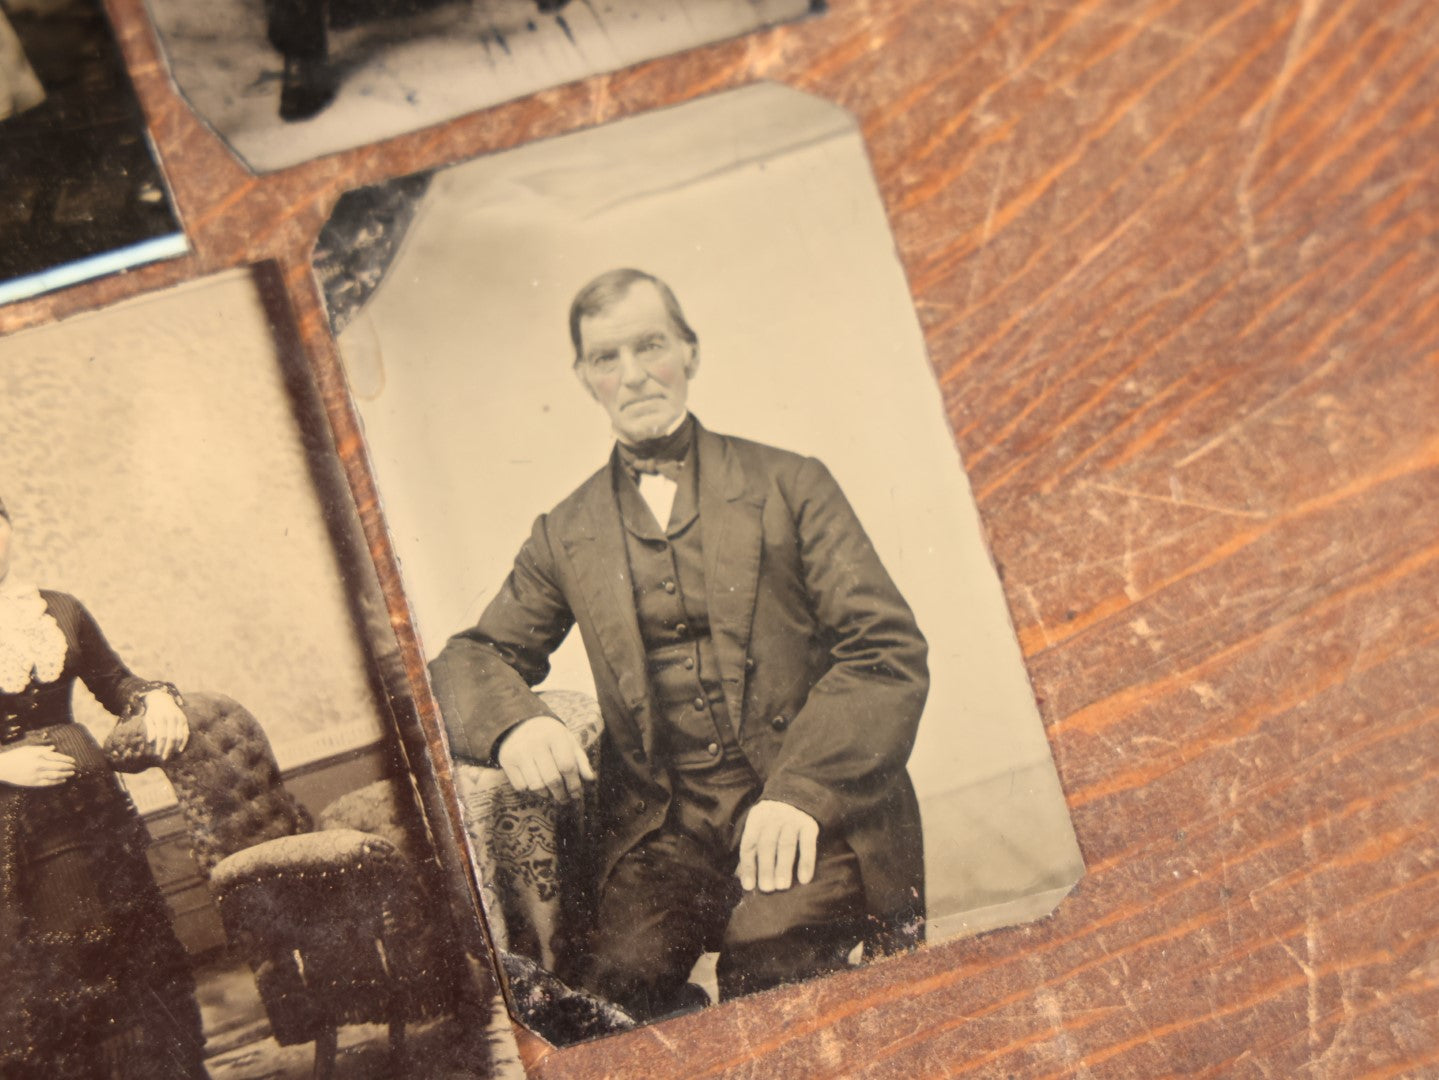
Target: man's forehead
[{"x": 641, "y": 310}]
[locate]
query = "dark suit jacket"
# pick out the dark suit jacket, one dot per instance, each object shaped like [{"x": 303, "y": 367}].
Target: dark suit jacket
[{"x": 819, "y": 656}]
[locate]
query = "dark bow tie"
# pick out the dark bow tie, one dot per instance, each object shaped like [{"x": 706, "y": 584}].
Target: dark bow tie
[
  {"x": 664, "y": 456},
  {"x": 639, "y": 466}
]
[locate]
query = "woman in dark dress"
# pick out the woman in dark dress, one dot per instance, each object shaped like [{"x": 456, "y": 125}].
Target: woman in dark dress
[{"x": 96, "y": 986}]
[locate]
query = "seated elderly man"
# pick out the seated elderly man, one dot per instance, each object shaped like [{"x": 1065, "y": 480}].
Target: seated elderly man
[{"x": 760, "y": 678}]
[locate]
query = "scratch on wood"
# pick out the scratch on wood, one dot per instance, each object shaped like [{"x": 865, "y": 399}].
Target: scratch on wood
[
  {"x": 660, "y": 1037},
  {"x": 1053, "y": 1011},
  {"x": 1213, "y": 508},
  {"x": 1307, "y": 11},
  {"x": 988, "y": 230},
  {"x": 1223, "y": 435}
]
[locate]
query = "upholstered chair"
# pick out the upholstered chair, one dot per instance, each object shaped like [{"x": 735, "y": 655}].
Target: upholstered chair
[
  {"x": 521, "y": 843},
  {"x": 536, "y": 878},
  {"x": 333, "y": 922}
]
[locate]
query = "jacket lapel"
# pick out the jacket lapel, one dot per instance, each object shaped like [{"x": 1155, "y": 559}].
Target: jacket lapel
[
  {"x": 596, "y": 547},
  {"x": 730, "y": 517}
]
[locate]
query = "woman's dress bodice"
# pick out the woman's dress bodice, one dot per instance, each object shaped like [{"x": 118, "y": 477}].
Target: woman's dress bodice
[{"x": 88, "y": 658}]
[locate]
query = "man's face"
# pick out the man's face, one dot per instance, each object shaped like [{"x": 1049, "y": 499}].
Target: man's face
[{"x": 634, "y": 363}]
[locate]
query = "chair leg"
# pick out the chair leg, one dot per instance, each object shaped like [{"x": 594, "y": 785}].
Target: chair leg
[
  {"x": 399, "y": 1057},
  {"x": 326, "y": 1043}
]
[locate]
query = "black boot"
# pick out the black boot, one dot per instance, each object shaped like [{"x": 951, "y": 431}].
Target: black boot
[{"x": 308, "y": 85}]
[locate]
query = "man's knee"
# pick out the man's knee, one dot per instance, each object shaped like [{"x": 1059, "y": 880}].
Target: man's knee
[
  {"x": 804, "y": 952},
  {"x": 797, "y": 933},
  {"x": 658, "y": 910}
]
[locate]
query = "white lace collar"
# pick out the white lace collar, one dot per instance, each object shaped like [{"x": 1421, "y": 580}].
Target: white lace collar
[{"x": 32, "y": 645}]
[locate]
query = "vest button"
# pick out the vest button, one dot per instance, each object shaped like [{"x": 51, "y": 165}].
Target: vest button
[
  {"x": 689, "y": 663},
  {"x": 712, "y": 749},
  {"x": 779, "y": 723},
  {"x": 699, "y": 704},
  {"x": 680, "y": 628},
  {"x": 749, "y": 663},
  {"x": 669, "y": 587},
  {"x": 640, "y": 807}
]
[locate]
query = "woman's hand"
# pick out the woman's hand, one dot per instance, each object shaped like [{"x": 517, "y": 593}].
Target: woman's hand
[
  {"x": 166, "y": 728},
  {"x": 35, "y": 766}
]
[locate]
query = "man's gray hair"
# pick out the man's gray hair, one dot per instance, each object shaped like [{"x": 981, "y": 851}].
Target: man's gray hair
[{"x": 611, "y": 287}]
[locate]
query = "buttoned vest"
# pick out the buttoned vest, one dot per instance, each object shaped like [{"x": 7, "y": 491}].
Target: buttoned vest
[{"x": 667, "y": 573}]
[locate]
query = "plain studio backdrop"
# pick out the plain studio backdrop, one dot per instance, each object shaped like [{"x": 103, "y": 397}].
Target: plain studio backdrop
[
  {"x": 154, "y": 467},
  {"x": 759, "y": 209}
]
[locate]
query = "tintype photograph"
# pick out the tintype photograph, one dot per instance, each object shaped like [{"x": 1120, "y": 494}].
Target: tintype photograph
[
  {"x": 283, "y": 81},
  {"x": 728, "y": 676},
  {"x": 212, "y": 858},
  {"x": 81, "y": 192}
]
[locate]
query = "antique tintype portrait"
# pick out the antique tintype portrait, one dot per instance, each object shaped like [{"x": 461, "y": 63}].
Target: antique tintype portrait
[
  {"x": 212, "y": 859},
  {"x": 81, "y": 193},
  {"x": 284, "y": 81},
  {"x": 726, "y": 672}
]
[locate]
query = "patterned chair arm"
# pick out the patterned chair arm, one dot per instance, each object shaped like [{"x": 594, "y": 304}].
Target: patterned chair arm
[{"x": 521, "y": 842}]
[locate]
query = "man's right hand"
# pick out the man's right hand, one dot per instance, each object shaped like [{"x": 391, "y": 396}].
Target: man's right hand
[{"x": 540, "y": 754}]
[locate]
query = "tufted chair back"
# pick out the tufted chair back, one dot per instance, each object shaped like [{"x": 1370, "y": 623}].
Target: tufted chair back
[{"x": 227, "y": 781}]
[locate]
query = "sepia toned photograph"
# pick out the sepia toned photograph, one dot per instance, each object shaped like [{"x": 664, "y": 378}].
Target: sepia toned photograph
[
  {"x": 81, "y": 192},
  {"x": 284, "y": 81},
  {"x": 214, "y": 860},
  {"x": 728, "y": 677}
]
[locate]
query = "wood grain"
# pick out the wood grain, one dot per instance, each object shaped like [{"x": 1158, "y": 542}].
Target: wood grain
[{"x": 1176, "y": 262}]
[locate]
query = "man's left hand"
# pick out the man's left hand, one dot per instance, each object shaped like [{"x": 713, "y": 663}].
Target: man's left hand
[
  {"x": 166, "y": 728},
  {"x": 776, "y": 837}
]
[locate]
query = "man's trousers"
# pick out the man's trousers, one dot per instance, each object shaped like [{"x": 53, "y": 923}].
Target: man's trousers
[{"x": 676, "y": 896}]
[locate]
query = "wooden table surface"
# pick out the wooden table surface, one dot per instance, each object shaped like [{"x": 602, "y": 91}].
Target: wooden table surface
[{"x": 1178, "y": 265}]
